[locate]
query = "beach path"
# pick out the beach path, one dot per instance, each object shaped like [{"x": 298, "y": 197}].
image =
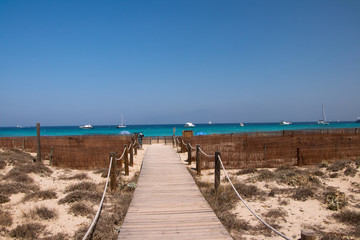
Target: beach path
[{"x": 167, "y": 204}]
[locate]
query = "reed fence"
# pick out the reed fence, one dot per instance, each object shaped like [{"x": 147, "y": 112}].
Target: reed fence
[
  {"x": 260, "y": 150},
  {"x": 79, "y": 152}
]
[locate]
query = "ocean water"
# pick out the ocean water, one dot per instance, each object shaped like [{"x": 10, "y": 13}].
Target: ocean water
[{"x": 167, "y": 129}]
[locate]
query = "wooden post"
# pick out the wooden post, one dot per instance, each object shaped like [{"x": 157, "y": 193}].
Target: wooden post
[
  {"x": 157, "y": 139},
  {"x": 126, "y": 161},
  {"x": 298, "y": 156},
  {"x": 307, "y": 234},
  {"x": 165, "y": 139},
  {"x": 136, "y": 146},
  {"x": 131, "y": 155},
  {"x": 12, "y": 143},
  {"x": 51, "y": 155},
  {"x": 189, "y": 153},
  {"x": 23, "y": 144},
  {"x": 217, "y": 171},
  {"x": 150, "y": 140},
  {"x": 264, "y": 152},
  {"x": 38, "y": 142},
  {"x": 198, "y": 160},
  {"x": 173, "y": 140},
  {"x": 112, "y": 172}
]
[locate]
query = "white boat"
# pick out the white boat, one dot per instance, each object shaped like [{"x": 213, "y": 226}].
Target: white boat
[
  {"x": 285, "y": 123},
  {"x": 210, "y": 122},
  {"x": 323, "y": 121},
  {"x": 18, "y": 126},
  {"x": 358, "y": 120},
  {"x": 122, "y": 125},
  {"x": 87, "y": 126},
  {"x": 189, "y": 124},
  {"x": 241, "y": 125}
]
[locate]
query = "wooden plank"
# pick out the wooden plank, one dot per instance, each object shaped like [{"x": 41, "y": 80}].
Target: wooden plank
[{"x": 167, "y": 204}]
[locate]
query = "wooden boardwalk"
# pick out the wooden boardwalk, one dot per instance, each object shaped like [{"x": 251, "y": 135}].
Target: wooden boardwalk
[{"x": 167, "y": 204}]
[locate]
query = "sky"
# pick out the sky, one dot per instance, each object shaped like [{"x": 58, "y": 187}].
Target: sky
[{"x": 156, "y": 62}]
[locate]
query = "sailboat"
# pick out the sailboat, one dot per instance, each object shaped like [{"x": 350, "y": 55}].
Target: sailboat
[
  {"x": 122, "y": 125},
  {"x": 323, "y": 121}
]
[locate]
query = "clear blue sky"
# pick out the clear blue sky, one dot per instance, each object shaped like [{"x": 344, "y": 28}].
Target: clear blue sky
[{"x": 77, "y": 62}]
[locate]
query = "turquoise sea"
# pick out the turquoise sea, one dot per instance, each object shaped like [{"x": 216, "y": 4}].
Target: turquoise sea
[{"x": 167, "y": 129}]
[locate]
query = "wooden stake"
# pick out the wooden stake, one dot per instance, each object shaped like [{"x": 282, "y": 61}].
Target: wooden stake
[
  {"x": 51, "y": 155},
  {"x": 126, "y": 161},
  {"x": 307, "y": 234},
  {"x": 217, "y": 171},
  {"x": 131, "y": 156},
  {"x": 112, "y": 172},
  {"x": 38, "y": 142},
  {"x": 198, "y": 160},
  {"x": 136, "y": 146},
  {"x": 189, "y": 153}
]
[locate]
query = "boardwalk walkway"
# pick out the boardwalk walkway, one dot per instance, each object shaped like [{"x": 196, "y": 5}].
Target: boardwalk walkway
[{"x": 167, "y": 204}]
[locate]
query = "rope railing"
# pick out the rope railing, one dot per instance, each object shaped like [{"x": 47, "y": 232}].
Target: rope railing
[
  {"x": 122, "y": 155},
  {"x": 205, "y": 153},
  {"x": 242, "y": 200},
  {"x": 192, "y": 147},
  {"x": 100, "y": 205}
]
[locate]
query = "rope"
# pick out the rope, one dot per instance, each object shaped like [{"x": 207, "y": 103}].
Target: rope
[
  {"x": 117, "y": 159},
  {"x": 177, "y": 140},
  {"x": 205, "y": 153},
  {"x": 183, "y": 142},
  {"x": 100, "y": 205},
  {"x": 267, "y": 225},
  {"x": 130, "y": 146},
  {"x": 192, "y": 147}
]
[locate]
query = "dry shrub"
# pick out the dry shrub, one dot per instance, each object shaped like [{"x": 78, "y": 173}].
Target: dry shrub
[
  {"x": 265, "y": 175},
  {"x": 45, "y": 212},
  {"x": 247, "y": 171},
  {"x": 16, "y": 156},
  {"x": 103, "y": 172},
  {"x": 349, "y": 217},
  {"x": 283, "y": 201},
  {"x": 82, "y": 186},
  {"x": 334, "y": 199},
  {"x": 230, "y": 221},
  {"x": 105, "y": 229},
  {"x": 81, "y": 209},
  {"x": 59, "y": 236},
  {"x": 276, "y": 214},
  {"x": 5, "y": 219},
  {"x": 264, "y": 230},
  {"x": 27, "y": 231},
  {"x": 2, "y": 164},
  {"x": 37, "y": 168},
  {"x": 318, "y": 173},
  {"x": 357, "y": 163},
  {"x": 350, "y": 171},
  {"x": 339, "y": 165},
  {"x": 334, "y": 175},
  {"x": 40, "y": 195},
  {"x": 121, "y": 206},
  {"x": 334, "y": 236},
  {"x": 4, "y": 198},
  {"x": 79, "y": 176},
  {"x": 81, "y": 195},
  {"x": 248, "y": 190},
  {"x": 323, "y": 164},
  {"x": 303, "y": 193},
  {"x": 17, "y": 187},
  {"x": 352, "y": 218},
  {"x": 18, "y": 176}
]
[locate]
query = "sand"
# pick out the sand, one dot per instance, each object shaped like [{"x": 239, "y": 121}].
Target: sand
[
  {"x": 309, "y": 214},
  {"x": 65, "y": 222}
]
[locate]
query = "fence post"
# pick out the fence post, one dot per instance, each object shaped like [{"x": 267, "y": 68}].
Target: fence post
[
  {"x": 51, "y": 155},
  {"x": 173, "y": 141},
  {"x": 150, "y": 140},
  {"x": 198, "y": 160},
  {"x": 217, "y": 171},
  {"x": 356, "y": 131},
  {"x": 38, "y": 142},
  {"x": 189, "y": 153},
  {"x": 157, "y": 139},
  {"x": 135, "y": 147},
  {"x": 165, "y": 140},
  {"x": 112, "y": 172},
  {"x": 264, "y": 152},
  {"x": 126, "y": 161},
  {"x": 298, "y": 156},
  {"x": 307, "y": 234},
  {"x": 23, "y": 144},
  {"x": 131, "y": 155}
]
